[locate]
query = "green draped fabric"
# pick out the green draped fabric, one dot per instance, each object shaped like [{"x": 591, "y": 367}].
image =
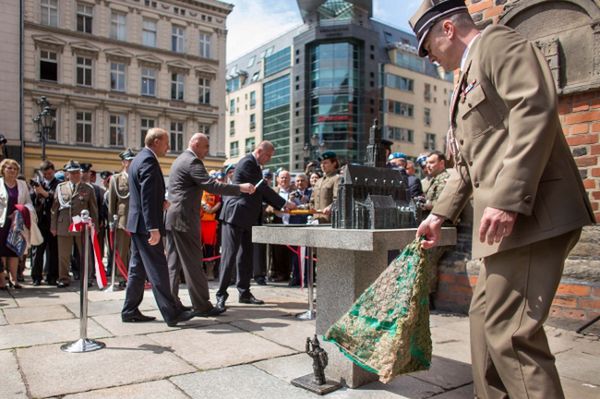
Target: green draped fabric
[{"x": 386, "y": 331}]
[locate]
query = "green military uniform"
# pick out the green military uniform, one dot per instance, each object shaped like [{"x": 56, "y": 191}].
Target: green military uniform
[
  {"x": 118, "y": 204},
  {"x": 69, "y": 201},
  {"x": 435, "y": 187},
  {"x": 324, "y": 193}
]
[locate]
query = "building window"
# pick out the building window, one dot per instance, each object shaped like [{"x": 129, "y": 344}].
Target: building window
[
  {"x": 49, "y": 11},
  {"x": 117, "y": 130},
  {"x": 205, "y": 39},
  {"x": 145, "y": 125},
  {"x": 83, "y": 131},
  {"x": 399, "y": 82},
  {"x": 48, "y": 65},
  {"x": 232, "y": 128},
  {"x": 176, "y": 136},
  {"x": 232, "y": 106},
  {"x": 400, "y": 134},
  {"x": 118, "y": 25},
  {"x": 177, "y": 83},
  {"x": 234, "y": 149},
  {"x": 249, "y": 145},
  {"x": 149, "y": 33},
  {"x": 252, "y": 99},
  {"x": 85, "y": 14},
  {"x": 427, "y": 92},
  {"x": 252, "y": 122},
  {"x": 399, "y": 108},
  {"x": 149, "y": 82},
  {"x": 117, "y": 76},
  {"x": 251, "y": 61},
  {"x": 429, "y": 141},
  {"x": 84, "y": 71},
  {"x": 204, "y": 128},
  {"x": 203, "y": 91},
  {"x": 427, "y": 117},
  {"x": 177, "y": 38},
  {"x": 278, "y": 61}
]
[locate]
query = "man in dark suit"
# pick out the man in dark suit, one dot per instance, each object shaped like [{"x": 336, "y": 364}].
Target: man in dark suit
[
  {"x": 238, "y": 216},
  {"x": 187, "y": 181},
  {"x": 398, "y": 161},
  {"x": 146, "y": 225}
]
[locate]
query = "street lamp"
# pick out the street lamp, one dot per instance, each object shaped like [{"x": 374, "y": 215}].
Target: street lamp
[
  {"x": 313, "y": 149},
  {"x": 45, "y": 121}
]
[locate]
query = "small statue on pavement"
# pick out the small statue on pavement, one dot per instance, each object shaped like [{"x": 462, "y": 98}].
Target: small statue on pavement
[{"x": 319, "y": 356}]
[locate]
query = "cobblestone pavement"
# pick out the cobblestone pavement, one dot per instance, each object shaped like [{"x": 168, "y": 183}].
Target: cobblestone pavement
[{"x": 248, "y": 352}]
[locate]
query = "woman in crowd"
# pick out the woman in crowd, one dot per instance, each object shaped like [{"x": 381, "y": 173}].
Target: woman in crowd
[{"x": 13, "y": 192}]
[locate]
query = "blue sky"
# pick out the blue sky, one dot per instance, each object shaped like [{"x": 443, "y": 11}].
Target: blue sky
[{"x": 255, "y": 22}]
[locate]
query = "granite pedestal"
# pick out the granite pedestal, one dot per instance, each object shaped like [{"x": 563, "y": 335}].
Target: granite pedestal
[{"x": 349, "y": 261}]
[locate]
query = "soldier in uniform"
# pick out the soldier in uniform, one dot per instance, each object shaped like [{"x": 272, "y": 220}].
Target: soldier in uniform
[
  {"x": 89, "y": 176},
  {"x": 118, "y": 204},
  {"x": 70, "y": 198},
  {"x": 326, "y": 189}
]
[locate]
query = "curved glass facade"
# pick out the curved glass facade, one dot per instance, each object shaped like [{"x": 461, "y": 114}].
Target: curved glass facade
[
  {"x": 335, "y": 84},
  {"x": 276, "y": 119}
]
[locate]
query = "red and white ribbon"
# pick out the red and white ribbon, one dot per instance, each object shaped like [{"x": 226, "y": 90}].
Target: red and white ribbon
[{"x": 77, "y": 226}]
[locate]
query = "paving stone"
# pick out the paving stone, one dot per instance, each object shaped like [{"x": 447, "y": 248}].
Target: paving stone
[
  {"x": 440, "y": 319},
  {"x": 451, "y": 344},
  {"x": 3, "y": 321},
  {"x": 237, "y": 311},
  {"x": 287, "y": 368},
  {"x": 400, "y": 387},
  {"x": 105, "y": 307},
  {"x": 7, "y": 301},
  {"x": 46, "y": 332},
  {"x": 113, "y": 323},
  {"x": 45, "y": 297},
  {"x": 286, "y": 331},
  {"x": 148, "y": 390},
  {"x": 125, "y": 360},
  {"x": 464, "y": 392},
  {"x": 241, "y": 382},
  {"x": 33, "y": 314},
  {"x": 446, "y": 373},
  {"x": 577, "y": 390},
  {"x": 12, "y": 386},
  {"x": 220, "y": 345},
  {"x": 579, "y": 366}
]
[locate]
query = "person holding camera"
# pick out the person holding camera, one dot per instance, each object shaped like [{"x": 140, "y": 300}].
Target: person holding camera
[{"x": 43, "y": 199}]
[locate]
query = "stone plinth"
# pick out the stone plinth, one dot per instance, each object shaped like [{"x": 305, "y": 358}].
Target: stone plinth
[{"x": 349, "y": 261}]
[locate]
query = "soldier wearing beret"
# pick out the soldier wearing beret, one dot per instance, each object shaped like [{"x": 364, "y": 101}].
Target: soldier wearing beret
[
  {"x": 118, "y": 204},
  {"x": 71, "y": 197},
  {"x": 326, "y": 189},
  {"x": 529, "y": 203}
]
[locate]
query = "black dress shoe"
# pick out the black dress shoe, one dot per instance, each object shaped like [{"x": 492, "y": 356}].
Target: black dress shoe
[
  {"x": 51, "y": 281},
  {"x": 251, "y": 299},
  {"x": 183, "y": 316},
  {"x": 183, "y": 307},
  {"x": 213, "y": 312},
  {"x": 37, "y": 283},
  {"x": 221, "y": 304},
  {"x": 137, "y": 318},
  {"x": 260, "y": 280},
  {"x": 61, "y": 284}
]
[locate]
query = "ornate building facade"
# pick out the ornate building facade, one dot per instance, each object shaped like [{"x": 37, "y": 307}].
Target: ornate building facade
[{"x": 112, "y": 69}]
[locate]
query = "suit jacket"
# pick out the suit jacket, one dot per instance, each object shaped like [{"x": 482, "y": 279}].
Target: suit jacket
[
  {"x": 69, "y": 203},
  {"x": 118, "y": 199},
  {"x": 23, "y": 198},
  {"x": 146, "y": 194},
  {"x": 244, "y": 211},
  {"x": 512, "y": 151},
  {"x": 187, "y": 181}
]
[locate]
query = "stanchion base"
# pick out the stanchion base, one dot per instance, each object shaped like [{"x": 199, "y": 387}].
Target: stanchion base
[
  {"x": 307, "y": 382},
  {"x": 308, "y": 315},
  {"x": 113, "y": 288},
  {"x": 82, "y": 345}
]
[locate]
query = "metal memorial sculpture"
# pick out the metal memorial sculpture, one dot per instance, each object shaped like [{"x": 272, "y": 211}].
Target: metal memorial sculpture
[
  {"x": 373, "y": 196},
  {"x": 316, "y": 382}
]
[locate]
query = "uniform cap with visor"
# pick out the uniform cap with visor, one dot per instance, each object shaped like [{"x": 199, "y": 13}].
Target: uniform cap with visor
[{"x": 430, "y": 12}]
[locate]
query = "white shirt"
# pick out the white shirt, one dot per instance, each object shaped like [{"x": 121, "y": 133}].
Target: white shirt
[{"x": 466, "y": 52}]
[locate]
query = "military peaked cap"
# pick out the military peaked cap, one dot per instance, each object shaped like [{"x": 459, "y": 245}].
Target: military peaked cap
[{"x": 127, "y": 155}]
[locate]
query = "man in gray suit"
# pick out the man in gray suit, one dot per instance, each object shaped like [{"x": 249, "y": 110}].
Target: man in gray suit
[{"x": 187, "y": 181}]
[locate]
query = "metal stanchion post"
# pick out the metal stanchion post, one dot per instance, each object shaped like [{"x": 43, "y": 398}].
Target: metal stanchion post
[
  {"x": 83, "y": 344},
  {"x": 310, "y": 314},
  {"x": 113, "y": 231}
]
